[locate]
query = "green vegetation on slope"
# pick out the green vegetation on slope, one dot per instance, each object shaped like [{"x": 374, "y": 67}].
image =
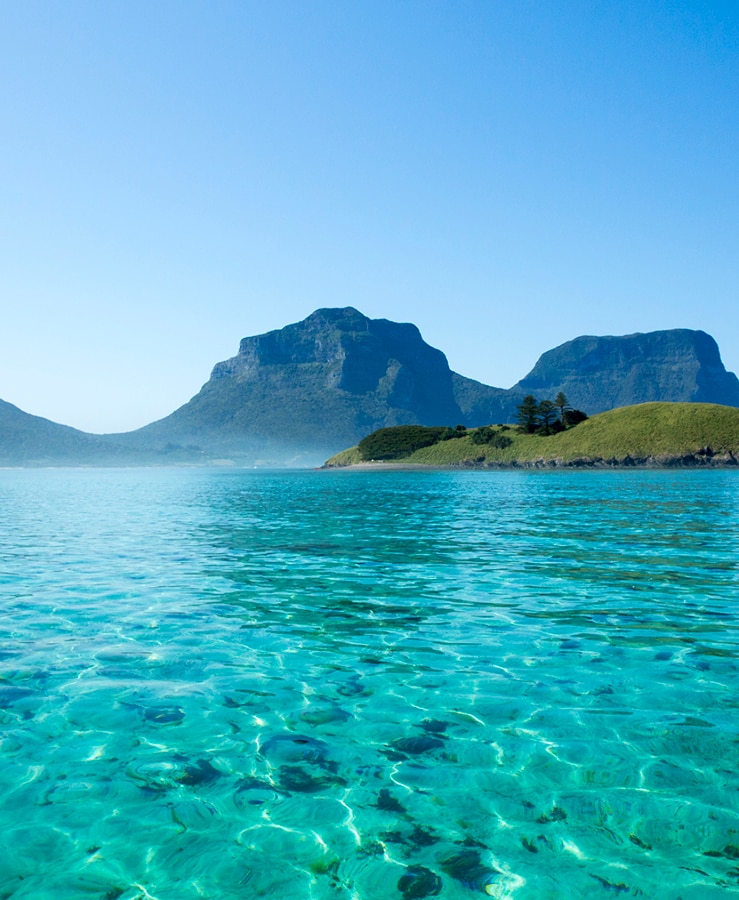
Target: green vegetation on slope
[
  {"x": 652, "y": 429},
  {"x": 399, "y": 441},
  {"x": 658, "y": 432}
]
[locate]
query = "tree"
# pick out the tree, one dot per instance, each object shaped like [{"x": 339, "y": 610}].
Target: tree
[
  {"x": 546, "y": 416},
  {"x": 563, "y": 405},
  {"x": 528, "y": 414}
]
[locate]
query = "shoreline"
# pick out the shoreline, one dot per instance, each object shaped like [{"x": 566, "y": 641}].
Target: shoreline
[{"x": 685, "y": 461}]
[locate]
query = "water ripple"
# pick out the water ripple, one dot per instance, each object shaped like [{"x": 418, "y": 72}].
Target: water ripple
[{"x": 368, "y": 685}]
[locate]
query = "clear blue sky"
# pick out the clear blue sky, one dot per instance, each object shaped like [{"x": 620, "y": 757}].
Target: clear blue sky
[{"x": 507, "y": 175}]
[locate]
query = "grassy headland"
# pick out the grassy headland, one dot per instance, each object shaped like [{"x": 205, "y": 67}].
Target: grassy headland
[{"x": 650, "y": 434}]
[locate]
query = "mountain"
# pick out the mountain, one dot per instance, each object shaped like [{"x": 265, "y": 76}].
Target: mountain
[
  {"x": 600, "y": 373},
  {"x": 310, "y": 388},
  {"x": 297, "y": 395},
  {"x": 27, "y": 440},
  {"x": 30, "y": 440}
]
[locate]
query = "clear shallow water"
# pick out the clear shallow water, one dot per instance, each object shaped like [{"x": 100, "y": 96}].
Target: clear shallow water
[{"x": 368, "y": 685}]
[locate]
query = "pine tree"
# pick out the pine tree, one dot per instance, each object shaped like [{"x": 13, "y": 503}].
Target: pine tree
[
  {"x": 528, "y": 414},
  {"x": 563, "y": 405},
  {"x": 546, "y": 416}
]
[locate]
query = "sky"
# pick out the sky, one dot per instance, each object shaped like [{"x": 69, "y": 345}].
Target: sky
[{"x": 175, "y": 176}]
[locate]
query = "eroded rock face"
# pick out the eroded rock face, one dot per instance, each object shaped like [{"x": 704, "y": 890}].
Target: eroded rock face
[
  {"x": 358, "y": 355},
  {"x": 306, "y": 391},
  {"x": 600, "y": 373},
  {"x": 297, "y": 395},
  {"x": 317, "y": 386}
]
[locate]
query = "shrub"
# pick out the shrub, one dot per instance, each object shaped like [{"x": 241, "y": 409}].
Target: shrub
[
  {"x": 574, "y": 417},
  {"x": 401, "y": 440},
  {"x": 489, "y": 435}
]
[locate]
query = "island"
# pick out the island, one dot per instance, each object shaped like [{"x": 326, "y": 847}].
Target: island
[{"x": 654, "y": 435}]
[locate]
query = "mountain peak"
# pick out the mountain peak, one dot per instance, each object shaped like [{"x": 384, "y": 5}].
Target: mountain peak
[
  {"x": 600, "y": 373},
  {"x": 320, "y": 383},
  {"x": 345, "y": 318}
]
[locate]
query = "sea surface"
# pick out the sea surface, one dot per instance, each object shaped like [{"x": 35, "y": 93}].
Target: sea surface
[{"x": 378, "y": 685}]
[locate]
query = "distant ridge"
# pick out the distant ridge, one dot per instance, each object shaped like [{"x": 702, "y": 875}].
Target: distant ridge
[
  {"x": 32, "y": 440},
  {"x": 601, "y": 373},
  {"x": 299, "y": 394}
]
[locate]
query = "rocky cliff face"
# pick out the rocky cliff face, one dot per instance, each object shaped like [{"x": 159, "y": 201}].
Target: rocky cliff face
[
  {"x": 355, "y": 355},
  {"x": 600, "y": 373},
  {"x": 300, "y": 394},
  {"x": 310, "y": 389},
  {"x": 314, "y": 387}
]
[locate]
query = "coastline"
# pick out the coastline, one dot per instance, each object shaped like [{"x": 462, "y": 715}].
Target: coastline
[{"x": 684, "y": 461}]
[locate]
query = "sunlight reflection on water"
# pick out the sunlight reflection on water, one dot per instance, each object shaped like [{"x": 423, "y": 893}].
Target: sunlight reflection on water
[{"x": 349, "y": 684}]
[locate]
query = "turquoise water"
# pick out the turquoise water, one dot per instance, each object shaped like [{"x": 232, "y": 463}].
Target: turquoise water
[{"x": 369, "y": 685}]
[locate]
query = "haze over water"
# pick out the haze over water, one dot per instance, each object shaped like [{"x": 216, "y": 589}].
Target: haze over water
[{"x": 232, "y": 684}]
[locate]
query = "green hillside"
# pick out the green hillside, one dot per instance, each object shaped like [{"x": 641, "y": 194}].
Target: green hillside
[
  {"x": 27, "y": 440},
  {"x": 647, "y": 434}
]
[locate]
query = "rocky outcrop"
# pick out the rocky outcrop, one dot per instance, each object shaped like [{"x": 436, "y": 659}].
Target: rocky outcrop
[
  {"x": 600, "y": 373},
  {"x": 357, "y": 356},
  {"x": 297, "y": 395},
  {"x": 301, "y": 393},
  {"x": 660, "y": 461}
]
